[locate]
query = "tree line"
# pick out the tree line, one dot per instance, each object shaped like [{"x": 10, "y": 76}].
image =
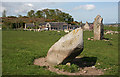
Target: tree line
[
  {"x": 54, "y": 14},
  {"x": 45, "y": 15}
]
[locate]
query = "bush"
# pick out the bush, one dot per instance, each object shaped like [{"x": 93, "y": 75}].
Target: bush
[
  {"x": 28, "y": 27},
  {"x": 4, "y": 27}
]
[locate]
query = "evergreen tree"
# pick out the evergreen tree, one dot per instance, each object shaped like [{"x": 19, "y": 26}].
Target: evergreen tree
[
  {"x": 4, "y": 13},
  {"x": 31, "y": 13}
]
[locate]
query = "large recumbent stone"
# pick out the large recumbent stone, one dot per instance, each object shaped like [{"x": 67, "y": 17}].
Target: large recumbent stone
[{"x": 66, "y": 48}]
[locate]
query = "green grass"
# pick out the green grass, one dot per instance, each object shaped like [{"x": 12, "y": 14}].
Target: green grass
[
  {"x": 69, "y": 68},
  {"x": 105, "y": 51},
  {"x": 111, "y": 28},
  {"x": 20, "y": 48}
]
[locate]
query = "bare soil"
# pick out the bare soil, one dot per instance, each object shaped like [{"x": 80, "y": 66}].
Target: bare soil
[{"x": 84, "y": 68}]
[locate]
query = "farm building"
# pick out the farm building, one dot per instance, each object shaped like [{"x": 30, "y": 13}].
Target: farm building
[
  {"x": 30, "y": 25},
  {"x": 53, "y": 26},
  {"x": 58, "y": 26}
]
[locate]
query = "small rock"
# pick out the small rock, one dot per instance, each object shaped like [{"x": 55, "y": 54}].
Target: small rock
[
  {"x": 85, "y": 71},
  {"x": 98, "y": 63},
  {"x": 108, "y": 32},
  {"x": 93, "y": 66},
  {"x": 92, "y": 39},
  {"x": 106, "y": 40},
  {"x": 116, "y": 31},
  {"x": 66, "y": 31},
  {"x": 88, "y": 38},
  {"x": 57, "y": 69},
  {"x": 58, "y": 31},
  {"x": 68, "y": 64}
]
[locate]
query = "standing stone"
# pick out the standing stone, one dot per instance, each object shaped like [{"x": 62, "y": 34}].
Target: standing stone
[
  {"x": 98, "y": 28},
  {"x": 66, "y": 48},
  {"x": 86, "y": 26}
]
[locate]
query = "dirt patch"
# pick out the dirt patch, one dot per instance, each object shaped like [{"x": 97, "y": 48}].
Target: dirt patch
[{"x": 84, "y": 70}]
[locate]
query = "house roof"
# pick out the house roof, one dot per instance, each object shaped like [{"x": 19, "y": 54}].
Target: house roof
[
  {"x": 56, "y": 24},
  {"x": 76, "y": 25},
  {"x": 53, "y": 23},
  {"x": 43, "y": 23},
  {"x": 30, "y": 25}
]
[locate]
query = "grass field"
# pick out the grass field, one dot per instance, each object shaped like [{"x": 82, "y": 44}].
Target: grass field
[{"x": 20, "y": 48}]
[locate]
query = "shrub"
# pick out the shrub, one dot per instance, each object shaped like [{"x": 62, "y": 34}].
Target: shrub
[
  {"x": 4, "y": 27},
  {"x": 28, "y": 27}
]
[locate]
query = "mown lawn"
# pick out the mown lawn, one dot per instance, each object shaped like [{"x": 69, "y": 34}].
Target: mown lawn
[{"x": 20, "y": 48}]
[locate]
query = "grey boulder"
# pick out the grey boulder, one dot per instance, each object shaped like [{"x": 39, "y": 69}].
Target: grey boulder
[{"x": 66, "y": 48}]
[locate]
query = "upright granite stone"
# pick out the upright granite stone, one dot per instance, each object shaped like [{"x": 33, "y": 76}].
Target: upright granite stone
[
  {"x": 86, "y": 26},
  {"x": 66, "y": 48},
  {"x": 98, "y": 28}
]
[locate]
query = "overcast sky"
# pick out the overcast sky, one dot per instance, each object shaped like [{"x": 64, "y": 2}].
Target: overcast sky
[{"x": 81, "y": 11}]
